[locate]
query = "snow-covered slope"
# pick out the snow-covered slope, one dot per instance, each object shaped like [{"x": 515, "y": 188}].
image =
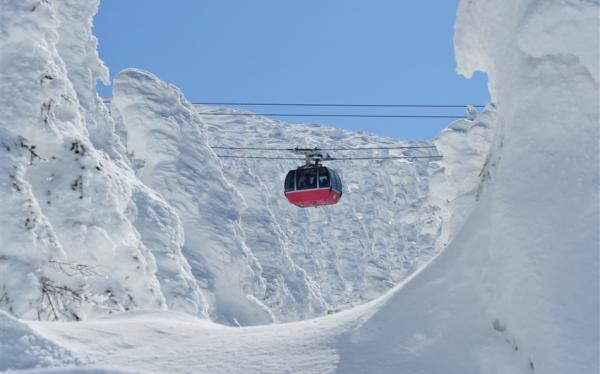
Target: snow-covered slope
[
  {"x": 516, "y": 289},
  {"x": 167, "y": 224},
  {"x": 258, "y": 258},
  {"x": 69, "y": 246}
]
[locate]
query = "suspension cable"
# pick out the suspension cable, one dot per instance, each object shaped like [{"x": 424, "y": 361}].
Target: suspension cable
[
  {"x": 262, "y": 157},
  {"x": 380, "y": 158},
  {"x": 330, "y": 115},
  {"x": 344, "y": 115},
  {"x": 326, "y": 149},
  {"x": 330, "y": 159},
  {"x": 342, "y": 105}
]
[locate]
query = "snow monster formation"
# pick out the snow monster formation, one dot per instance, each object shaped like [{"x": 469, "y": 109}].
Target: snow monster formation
[
  {"x": 69, "y": 246},
  {"x": 515, "y": 289},
  {"x": 125, "y": 206}
]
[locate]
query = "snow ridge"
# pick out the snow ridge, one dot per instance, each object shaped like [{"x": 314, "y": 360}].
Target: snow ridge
[
  {"x": 69, "y": 248},
  {"x": 166, "y": 224},
  {"x": 257, "y": 258},
  {"x": 514, "y": 291}
]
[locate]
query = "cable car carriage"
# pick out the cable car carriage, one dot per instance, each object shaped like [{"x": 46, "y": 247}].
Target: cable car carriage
[{"x": 312, "y": 185}]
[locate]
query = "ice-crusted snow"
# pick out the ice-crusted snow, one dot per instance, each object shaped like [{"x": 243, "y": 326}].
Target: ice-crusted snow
[
  {"x": 514, "y": 291},
  {"x": 257, "y": 258},
  {"x": 69, "y": 247},
  {"x": 165, "y": 222},
  {"x": 60, "y": 194}
]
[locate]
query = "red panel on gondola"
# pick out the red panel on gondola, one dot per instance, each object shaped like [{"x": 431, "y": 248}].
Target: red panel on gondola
[
  {"x": 313, "y": 185},
  {"x": 314, "y": 197}
]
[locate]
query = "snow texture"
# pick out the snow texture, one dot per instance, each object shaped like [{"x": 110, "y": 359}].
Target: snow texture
[
  {"x": 514, "y": 203},
  {"x": 69, "y": 247},
  {"x": 165, "y": 222},
  {"x": 258, "y": 258}
]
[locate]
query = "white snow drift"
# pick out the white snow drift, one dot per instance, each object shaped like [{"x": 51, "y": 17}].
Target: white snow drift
[
  {"x": 257, "y": 258},
  {"x": 514, "y": 291},
  {"x": 167, "y": 224}
]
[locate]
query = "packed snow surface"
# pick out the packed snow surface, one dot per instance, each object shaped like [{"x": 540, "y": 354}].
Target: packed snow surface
[{"x": 514, "y": 204}]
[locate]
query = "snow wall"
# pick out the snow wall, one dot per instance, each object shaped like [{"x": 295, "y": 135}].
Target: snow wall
[
  {"x": 68, "y": 243},
  {"x": 516, "y": 290},
  {"x": 117, "y": 207}
]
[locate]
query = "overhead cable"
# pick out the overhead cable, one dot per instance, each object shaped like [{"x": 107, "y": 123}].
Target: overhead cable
[
  {"x": 329, "y": 115},
  {"x": 262, "y": 157},
  {"x": 378, "y": 158},
  {"x": 378, "y": 148},
  {"x": 325, "y": 149},
  {"x": 342, "y": 105},
  {"x": 330, "y": 159}
]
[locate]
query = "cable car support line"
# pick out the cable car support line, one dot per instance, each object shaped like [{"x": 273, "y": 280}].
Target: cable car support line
[
  {"x": 330, "y": 115},
  {"x": 330, "y": 158},
  {"x": 325, "y": 149},
  {"x": 343, "y": 105},
  {"x": 313, "y": 184}
]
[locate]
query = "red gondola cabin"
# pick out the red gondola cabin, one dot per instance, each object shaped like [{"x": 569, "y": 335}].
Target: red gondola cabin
[{"x": 312, "y": 186}]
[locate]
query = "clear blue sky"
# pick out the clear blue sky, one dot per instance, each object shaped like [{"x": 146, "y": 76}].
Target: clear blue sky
[{"x": 335, "y": 51}]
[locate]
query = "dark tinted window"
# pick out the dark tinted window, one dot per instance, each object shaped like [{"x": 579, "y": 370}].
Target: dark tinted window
[
  {"x": 289, "y": 181},
  {"x": 324, "y": 179},
  {"x": 333, "y": 177},
  {"x": 306, "y": 178},
  {"x": 337, "y": 183}
]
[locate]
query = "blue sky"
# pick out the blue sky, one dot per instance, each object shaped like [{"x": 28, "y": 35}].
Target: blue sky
[{"x": 336, "y": 51}]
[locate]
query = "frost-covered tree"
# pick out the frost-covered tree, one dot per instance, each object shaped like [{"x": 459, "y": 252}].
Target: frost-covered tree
[{"x": 69, "y": 245}]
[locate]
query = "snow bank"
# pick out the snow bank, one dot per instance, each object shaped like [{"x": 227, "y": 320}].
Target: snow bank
[
  {"x": 23, "y": 348},
  {"x": 69, "y": 247},
  {"x": 456, "y": 186},
  {"x": 516, "y": 291},
  {"x": 164, "y": 135},
  {"x": 166, "y": 224},
  {"x": 544, "y": 239},
  {"x": 257, "y": 258}
]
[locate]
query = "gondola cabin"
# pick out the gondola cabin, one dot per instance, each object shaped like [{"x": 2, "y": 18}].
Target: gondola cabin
[{"x": 312, "y": 186}]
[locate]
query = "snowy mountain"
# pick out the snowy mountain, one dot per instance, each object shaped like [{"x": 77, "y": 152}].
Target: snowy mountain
[
  {"x": 258, "y": 258},
  {"x": 166, "y": 223},
  {"x": 68, "y": 247},
  {"x": 507, "y": 223}
]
